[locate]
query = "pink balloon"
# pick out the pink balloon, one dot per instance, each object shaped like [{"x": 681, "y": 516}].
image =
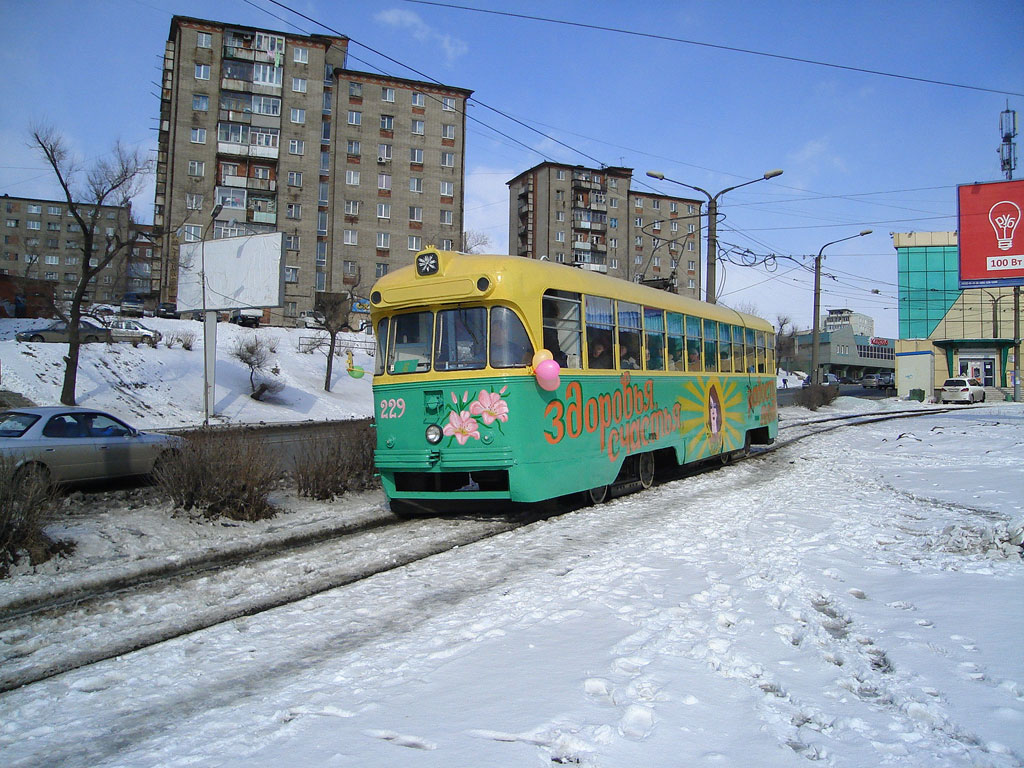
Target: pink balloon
[{"x": 547, "y": 373}]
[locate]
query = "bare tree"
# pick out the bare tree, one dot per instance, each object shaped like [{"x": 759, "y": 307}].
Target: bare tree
[
  {"x": 331, "y": 315},
  {"x": 474, "y": 241},
  {"x": 111, "y": 181},
  {"x": 785, "y": 341}
]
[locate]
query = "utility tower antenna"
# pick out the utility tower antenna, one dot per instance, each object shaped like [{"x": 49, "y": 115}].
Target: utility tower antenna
[{"x": 1008, "y": 149}]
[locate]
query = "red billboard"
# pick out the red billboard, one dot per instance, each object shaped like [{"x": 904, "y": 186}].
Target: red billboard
[{"x": 991, "y": 238}]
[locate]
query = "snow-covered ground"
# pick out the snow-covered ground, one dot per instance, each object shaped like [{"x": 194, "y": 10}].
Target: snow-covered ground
[{"x": 853, "y": 599}]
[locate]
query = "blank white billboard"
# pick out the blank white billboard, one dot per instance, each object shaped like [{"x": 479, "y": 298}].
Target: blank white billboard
[{"x": 241, "y": 272}]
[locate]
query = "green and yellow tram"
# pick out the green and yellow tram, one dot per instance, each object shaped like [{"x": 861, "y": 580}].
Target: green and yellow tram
[{"x": 499, "y": 377}]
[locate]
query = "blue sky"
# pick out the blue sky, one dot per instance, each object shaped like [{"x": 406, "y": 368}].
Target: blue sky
[{"x": 859, "y": 150}]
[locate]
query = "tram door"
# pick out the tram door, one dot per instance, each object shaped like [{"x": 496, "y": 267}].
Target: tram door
[{"x": 983, "y": 369}]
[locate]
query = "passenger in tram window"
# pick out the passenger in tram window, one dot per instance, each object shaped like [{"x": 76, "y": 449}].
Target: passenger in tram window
[
  {"x": 627, "y": 358},
  {"x": 599, "y": 351},
  {"x": 675, "y": 353}
]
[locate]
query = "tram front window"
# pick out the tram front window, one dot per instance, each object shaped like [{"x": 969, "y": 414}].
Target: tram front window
[
  {"x": 460, "y": 336},
  {"x": 510, "y": 346},
  {"x": 410, "y": 343}
]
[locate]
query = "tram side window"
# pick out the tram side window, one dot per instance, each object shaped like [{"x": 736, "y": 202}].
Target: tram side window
[
  {"x": 510, "y": 346},
  {"x": 710, "y": 345},
  {"x": 693, "y": 344},
  {"x": 748, "y": 348},
  {"x": 676, "y": 345},
  {"x": 410, "y": 344},
  {"x": 382, "y": 346},
  {"x": 654, "y": 339},
  {"x": 724, "y": 348},
  {"x": 629, "y": 335},
  {"x": 770, "y": 337},
  {"x": 460, "y": 339},
  {"x": 562, "y": 328},
  {"x": 737, "y": 349},
  {"x": 600, "y": 324},
  {"x": 760, "y": 352}
]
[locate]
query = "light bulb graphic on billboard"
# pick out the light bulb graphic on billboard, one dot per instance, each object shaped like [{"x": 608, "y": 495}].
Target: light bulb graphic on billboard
[{"x": 990, "y": 237}]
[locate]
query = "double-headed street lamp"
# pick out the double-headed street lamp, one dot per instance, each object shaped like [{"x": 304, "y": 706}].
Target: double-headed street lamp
[
  {"x": 816, "y": 333},
  {"x": 712, "y": 257}
]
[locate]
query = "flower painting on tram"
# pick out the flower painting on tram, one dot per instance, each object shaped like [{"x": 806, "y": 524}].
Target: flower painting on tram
[
  {"x": 462, "y": 421},
  {"x": 715, "y": 411}
]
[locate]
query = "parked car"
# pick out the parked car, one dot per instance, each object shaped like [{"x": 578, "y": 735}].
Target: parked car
[
  {"x": 64, "y": 444},
  {"x": 827, "y": 380},
  {"x": 962, "y": 390},
  {"x": 132, "y": 306},
  {"x": 886, "y": 379},
  {"x": 58, "y": 332},
  {"x": 123, "y": 329},
  {"x": 249, "y": 318},
  {"x": 870, "y": 381},
  {"x": 167, "y": 310}
]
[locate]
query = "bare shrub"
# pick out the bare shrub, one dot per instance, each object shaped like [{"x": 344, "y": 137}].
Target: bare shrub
[
  {"x": 221, "y": 475},
  {"x": 26, "y": 499},
  {"x": 815, "y": 396},
  {"x": 187, "y": 339},
  {"x": 331, "y": 466}
]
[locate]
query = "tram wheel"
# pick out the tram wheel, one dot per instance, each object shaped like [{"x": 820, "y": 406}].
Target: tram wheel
[
  {"x": 725, "y": 457},
  {"x": 598, "y": 495},
  {"x": 646, "y": 470}
]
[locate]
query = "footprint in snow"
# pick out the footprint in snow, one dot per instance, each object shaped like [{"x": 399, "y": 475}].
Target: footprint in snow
[
  {"x": 413, "y": 742},
  {"x": 637, "y": 722}
]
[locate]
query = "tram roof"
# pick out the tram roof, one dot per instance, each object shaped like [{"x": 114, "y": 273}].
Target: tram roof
[{"x": 514, "y": 278}]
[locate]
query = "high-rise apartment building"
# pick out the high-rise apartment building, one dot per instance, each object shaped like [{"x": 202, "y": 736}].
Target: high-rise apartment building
[
  {"x": 357, "y": 170},
  {"x": 42, "y": 240},
  {"x": 594, "y": 219}
]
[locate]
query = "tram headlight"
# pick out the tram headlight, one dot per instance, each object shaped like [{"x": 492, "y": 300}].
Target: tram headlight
[{"x": 434, "y": 434}]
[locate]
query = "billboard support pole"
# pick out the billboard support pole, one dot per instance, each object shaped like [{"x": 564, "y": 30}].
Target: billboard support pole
[{"x": 1016, "y": 344}]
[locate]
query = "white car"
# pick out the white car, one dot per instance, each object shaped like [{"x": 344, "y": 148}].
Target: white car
[
  {"x": 123, "y": 329},
  {"x": 962, "y": 390}
]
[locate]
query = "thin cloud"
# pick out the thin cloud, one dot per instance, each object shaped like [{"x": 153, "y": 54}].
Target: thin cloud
[{"x": 452, "y": 47}]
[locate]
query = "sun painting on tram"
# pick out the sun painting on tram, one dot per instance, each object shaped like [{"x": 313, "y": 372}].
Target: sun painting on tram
[{"x": 716, "y": 419}]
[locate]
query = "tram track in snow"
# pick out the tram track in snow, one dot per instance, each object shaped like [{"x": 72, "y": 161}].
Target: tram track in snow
[{"x": 49, "y": 634}]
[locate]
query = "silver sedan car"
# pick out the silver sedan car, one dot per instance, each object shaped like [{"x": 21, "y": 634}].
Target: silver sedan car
[
  {"x": 962, "y": 390},
  {"x": 63, "y": 444},
  {"x": 126, "y": 329}
]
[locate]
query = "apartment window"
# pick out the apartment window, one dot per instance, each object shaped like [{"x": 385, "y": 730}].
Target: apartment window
[
  {"x": 691, "y": 228},
  {"x": 380, "y": 269},
  {"x": 384, "y": 181},
  {"x": 447, "y": 244},
  {"x": 291, "y": 242},
  {"x": 322, "y": 198},
  {"x": 51, "y": 242},
  {"x": 415, "y": 184},
  {"x": 202, "y": 71},
  {"x": 321, "y": 281},
  {"x": 352, "y": 178},
  {"x": 296, "y": 147},
  {"x": 383, "y": 210},
  {"x": 448, "y": 103},
  {"x": 559, "y": 237},
  {"x": 638, "y": 202},
  {"x": 613, "y": 263},
  {"x": 559, "y": 215},
  {"x": 299, "y": 84},
  {"x": 613, "y": 222},
  {"x": 325, "y": 131},
  {"x": 613, "y": 202},
  {"x": 447, "y": 131},
  {"x": 447, "y": 217},
  {"x": 200, "y": 103},
  {"x": 673, "y": 207},
  {"x": 291, "y": 309},
  {"x": 638, "y": 240},
  {"x": 52, "y": 276},
  {"x": 417, "y": 127},
  {"x": 613, "y": 242},
  {"x": 70, "y": 277},
  {"x": 193, "y": 202},
  {"x": 291, "y": 274},
  {"x": 325, "y": 162},
  {"x": 415, "y": 243},
  {"x": 321, "y": 252},
  {"x": 383, "y": 240},
  {"x": 689, "y": 245},
  {"x": 656, "y": 205},
  {"x": 415, "y": 213},
  {"x": 298, "y": 115},
  {"x": 351, "y": 268},
  {"x": 294, "y": 211},
  {"x": 53, "y": 226},
  {"x": 418, "y": 100},
  {"x": 690, "y": 284},
  {"x": 204, "y": 40},
  {"x": 300, "y": 55},
  {"x": 416, "y": 155},
  {"x": 294, "y": 178},
  {"x": 327, "y": 102},
  {"x": 690, "y": 209},
  {"x": 193, "y": 233},
  {"x": 355, "y": 89},
  {"x": 387, "y": 122},
  {"x": 196, "y": 168},
  {"x": 264, "y": 137},
  {"x": 656, "y": 226},
  {"x": 33, "y": 224},
  {"x": 52, "y": 260},
  {"x": 351, "y": 237},
  {"x": 384, "y": 152},
  {"x": 447, "y": 189},
  {"x": 266, "y": 105},
  {"x": 447, "y": 159},
  {"x": 638, "y": 221},
  {"x": 674, "y": 226},
  {"x": 198, "y": 135},
  {"x": 355, "y": 117},
  {"x": 387, "y": 94},
  {"x": 638, "y": 259},
  {"x": 321, "y": 222},
  {"x": 53, "y": 210},
  {"x": 559, "y": 195},
  {"x": 351, "y": 207}
]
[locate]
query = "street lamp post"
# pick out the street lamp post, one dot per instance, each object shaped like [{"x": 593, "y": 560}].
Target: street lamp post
[
  {"x": 816, "y": 332},
  {"x": 209, "y": 356},
  {"x": 712, "y": 257}
]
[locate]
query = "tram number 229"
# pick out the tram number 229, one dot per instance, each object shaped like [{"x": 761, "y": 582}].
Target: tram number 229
[{"x": 392, "y": 408}]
